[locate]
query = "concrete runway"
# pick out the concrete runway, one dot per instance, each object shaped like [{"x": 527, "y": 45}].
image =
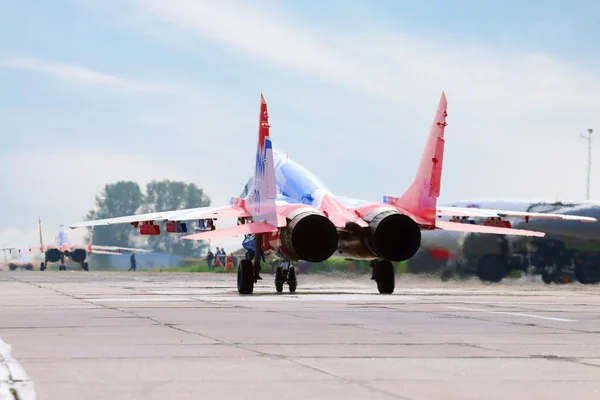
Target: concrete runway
[{"x": 76, "y": 335}]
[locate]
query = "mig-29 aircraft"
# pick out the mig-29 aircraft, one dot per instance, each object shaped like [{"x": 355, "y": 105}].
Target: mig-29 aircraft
[
  {"x": 61, "y": 248},
  {"x": 285, "y": 211}
]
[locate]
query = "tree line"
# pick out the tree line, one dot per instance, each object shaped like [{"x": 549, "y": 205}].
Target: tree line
[{"x": 127, "y": 198}]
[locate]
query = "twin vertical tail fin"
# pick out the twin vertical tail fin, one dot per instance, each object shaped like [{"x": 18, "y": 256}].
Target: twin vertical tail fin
[
  {"x": 420, "y": 200},
  {"x": 260, "y": 200}
]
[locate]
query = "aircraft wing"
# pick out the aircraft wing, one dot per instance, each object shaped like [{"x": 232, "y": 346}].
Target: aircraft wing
[
  {"x": 113, "y": 253},
  {"x": 490, "y": 213},
  {"x": 230, "y": 211},
  {"x": 465, "y": 227},
  {"x": 96, "y": 249},
  {"x": 239, "y": 230}
]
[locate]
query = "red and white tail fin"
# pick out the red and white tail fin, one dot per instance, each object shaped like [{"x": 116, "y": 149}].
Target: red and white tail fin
[
  {"x": 420, "y": 200},
  {"x": 260, "y": 200}
]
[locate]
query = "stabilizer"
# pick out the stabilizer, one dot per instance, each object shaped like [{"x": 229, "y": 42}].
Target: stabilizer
[
  {"x": 420, "y": 200},
  {"x": 260, "y": 199}
]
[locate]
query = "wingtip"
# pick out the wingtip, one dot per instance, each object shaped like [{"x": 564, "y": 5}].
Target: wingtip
[{"x": 262, "y": 99}]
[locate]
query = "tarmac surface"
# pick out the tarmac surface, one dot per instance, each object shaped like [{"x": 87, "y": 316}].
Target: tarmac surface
[{"x": 119, "y": 335}]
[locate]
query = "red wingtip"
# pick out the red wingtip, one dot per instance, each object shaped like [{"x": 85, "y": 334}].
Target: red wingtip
[{"x": 262, "y": 99}]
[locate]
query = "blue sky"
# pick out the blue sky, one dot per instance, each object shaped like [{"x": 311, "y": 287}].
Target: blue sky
[{"x": 100, "y": 90}]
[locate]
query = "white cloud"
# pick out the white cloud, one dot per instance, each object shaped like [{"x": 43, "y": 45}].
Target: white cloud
[
  {"x": 258, "y": 33},
  {"x": 393, "y": 65},
  {"x": 84, "y": 75},
  {"x": 511, "y": 110}
]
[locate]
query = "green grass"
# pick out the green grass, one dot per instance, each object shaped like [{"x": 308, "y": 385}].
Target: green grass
[{"x": 192, "y": 268}]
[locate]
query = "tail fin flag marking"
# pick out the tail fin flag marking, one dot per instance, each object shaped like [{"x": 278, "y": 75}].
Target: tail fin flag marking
[
  {"x": 421, "y": 197},
  {"x": 261, "y": 198}
]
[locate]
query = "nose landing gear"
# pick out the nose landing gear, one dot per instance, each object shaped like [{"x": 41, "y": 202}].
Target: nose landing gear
[{"x": 285, "y": 274}]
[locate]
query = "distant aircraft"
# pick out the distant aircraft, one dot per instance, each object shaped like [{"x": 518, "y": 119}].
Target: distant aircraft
[
  {"x": 61, "y": 248},
  {"x": 305, "y": 221},
  {"x": 569, "y": 250},
  {"x": 12, "y": 264}
]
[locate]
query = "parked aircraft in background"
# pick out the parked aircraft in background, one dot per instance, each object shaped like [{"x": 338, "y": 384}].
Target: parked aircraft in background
[
  {"x": 306, "y": 221},
  {"x": 15, "y": 264},
  {"x": 569, "y": 250},
  {"x": 61, "y": 249}
]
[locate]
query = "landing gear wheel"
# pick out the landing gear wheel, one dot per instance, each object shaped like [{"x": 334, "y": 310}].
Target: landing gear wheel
[
  {"x": 85, "y": 266},
  {"x": 42, "y": 266},
  {"x": 62, "y": 268},
  {"x": 385, "y": 275},
  {"x": 279, "y": 279},
  {"x": 547, "y": 277},
  {"x": 292, "y": 282},
  {"x": 588, "y": 272},
  {"x": 492, "y": 268},
  {"x": 245, "y": 277}
]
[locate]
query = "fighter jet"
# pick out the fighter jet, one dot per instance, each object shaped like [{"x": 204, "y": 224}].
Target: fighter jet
[
  {"x": 304, "y": 220},
  {"x": 569, "y": 250},
  {"x": 62, "y": 248}
]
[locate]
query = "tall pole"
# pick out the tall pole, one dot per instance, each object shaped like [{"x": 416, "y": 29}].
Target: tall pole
[{"x": 588, "y": 137}]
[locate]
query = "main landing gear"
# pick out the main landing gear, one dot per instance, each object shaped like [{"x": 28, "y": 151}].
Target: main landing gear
[
  {"x": 385, "y": 275},
  {"x": 61, "y": 267},
  {"x": 285, "y": 274},
  {"x": 248, "y": 274}
]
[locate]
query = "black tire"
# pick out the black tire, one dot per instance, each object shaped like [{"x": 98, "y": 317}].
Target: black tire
[
  {"x": 588, "y": 272},
  {"x": 62, "y": 268},
  {"x": 292, "y": 280},
  {"x": 85, "y": 266},
  {"x": 12, "y": 267},
  {"x": 279, "y": 280},
  {"x": 386, "y": 277},
  {"x": 547, "y": 278},
  {"x": 580, "y": 274},
  {"x": 492, "y": 268},
  {"x": 245, "y": 277},
  {"x": 42, "y": 266}
]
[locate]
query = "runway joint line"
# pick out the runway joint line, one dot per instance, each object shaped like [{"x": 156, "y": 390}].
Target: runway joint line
[{"x": 517, "y": 314}]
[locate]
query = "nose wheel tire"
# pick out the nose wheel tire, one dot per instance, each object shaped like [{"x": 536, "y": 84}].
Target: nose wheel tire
[
  {"x": 292, "y": 281},
  {"x": 279, "y": 279},
  {"x": 285, "y": 275}
]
